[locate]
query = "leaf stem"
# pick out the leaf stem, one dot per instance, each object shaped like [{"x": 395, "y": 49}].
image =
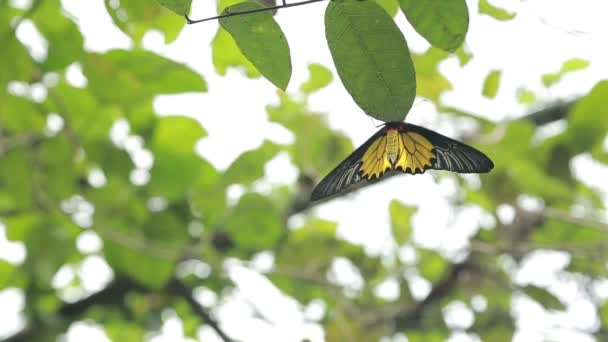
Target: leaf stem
[{"x": 227, "y": 14}]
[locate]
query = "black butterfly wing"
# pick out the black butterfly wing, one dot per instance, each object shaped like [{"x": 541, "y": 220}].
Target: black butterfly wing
[
  {"x": 452, "y": 155},
  {"x": 346, "y": 174}
]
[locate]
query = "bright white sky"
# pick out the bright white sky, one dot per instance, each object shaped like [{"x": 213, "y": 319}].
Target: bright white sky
[{"x": 544, "y": 34}]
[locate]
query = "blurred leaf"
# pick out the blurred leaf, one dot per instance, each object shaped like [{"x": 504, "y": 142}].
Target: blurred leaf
[
  {"x": 114, "y": 162},
  {"x": 18, "y": 115},
  {"x": 124, "y": 331},
  {"x": 586, "y": 123},
  {"x": 544, "y": 297},
  {"x": 137, "y": 76},
  {"x": 603, "y": 313},
  {"x": 390, "y": 6},
  {"x": 371, "y": 57},
  {"x": 16, "y": 175},
  {"x": 176, "y": 165},
  {"x": 430, "y": 82},
  {"x": 136, "y": 17},
  {"x": 226, "y": 54},
  {"x": 525, "y": 96},
  {"x": 17, "y": 64},
  {"x": 79, "y": 108},
  {"x": 485, "y": 7},
  {"x": 37, "y": 232},
  {"x": 431, "y": 265},
  {"x": 491, "y": 83},
  {"x": 261, "y": 40},
  {"x": 58, "y": 175},
  {"x": 443, "y": 23},
  {"x": 65, "y": 42},
  {"x": 254, "y": 225},
  {"x": 400, "y": 221},
  {"x": 249, "y": 166},
  {"x": 181, "y": 7},
  {"x": 320, "y": 77},
  {"x": 6, "y": 274},
  {"x": 570, "y": 65},
  {"x": 320, "y": 153},
  {"x": 306, "y": 248},
  {"x": 146, "y": 254},
  {"x": 425, "y": 336},
  {"x": 464, "y": 56},
  {"x": 559, "y": 233}
]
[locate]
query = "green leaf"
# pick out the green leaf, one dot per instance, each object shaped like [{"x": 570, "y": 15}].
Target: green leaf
[
  {"x": 305, "y": 250},
  {"x": 371, "y": 57},
  {"x": 17, "y": 64},
  {"x": 586, "y": 126},
  {"x": 490, "y": 85},
  {"x": 124, "y": 331},
  {"x": 544, "y": 297},
  {"x": 431, "y": 265},
  {"x": 7, "y": 272},
  {"x": 79, "y": 107},
  {"x": 176, "y": 165},
  {"x": 390, "y": 6},
  {"x": 444, "y": 23},
  {"x": 225, "y": 54},
  {"x": 321, "y": 153},
  {"x": 426, "y": 336},
  {"x": 65, "y": 42},
  {"x": 570, "y": 65},
  {"x": 16, "y": 176},
  {"x": 400, "y": 221},
  {"x": 249, "y": 166},
  {"x": 525, "y": 96},
  {"x": 464, "y": 56},
  {"x": 18, "y": 115},
  {"x": 148, "y": 253},
  {"x": 255, "y": 224},
  {"x": 603, "y": 313},
  {"x": 261, "y": 40},
  {"x": 136, "y": 17},
  {"x": 431, "y": 83},
  {"x": 38, "y": 231},
  {"x": 320, "y": 77},
  {"x": 181, "y": 7},
  {"x": 137, "y": 76},
  {"x": 497, "y": 13}
]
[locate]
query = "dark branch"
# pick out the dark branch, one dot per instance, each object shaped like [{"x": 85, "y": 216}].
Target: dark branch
[
  {"x": 551, "y": 113},
  {"x": 179, "y": 289},
  {"x": 227, "y": 14},
  {"x": 114, "y": 294},
  {"x": 441, "y": 290}
]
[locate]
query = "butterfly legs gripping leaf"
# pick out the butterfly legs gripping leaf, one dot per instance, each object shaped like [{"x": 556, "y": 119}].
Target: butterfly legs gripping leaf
[{"x": 400, "y": 148}]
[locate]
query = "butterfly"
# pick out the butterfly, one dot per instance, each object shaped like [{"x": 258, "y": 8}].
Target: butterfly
[{"x": 397, "y": 148}]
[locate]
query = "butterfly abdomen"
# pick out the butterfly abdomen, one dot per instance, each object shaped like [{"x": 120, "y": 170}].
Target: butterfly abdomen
[{"x": 392, "y": 145}]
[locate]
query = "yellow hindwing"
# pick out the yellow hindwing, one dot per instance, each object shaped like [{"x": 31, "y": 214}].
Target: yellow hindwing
[
  {"x": 406, "y": 151},
  {"x": 417, "y": 153}
]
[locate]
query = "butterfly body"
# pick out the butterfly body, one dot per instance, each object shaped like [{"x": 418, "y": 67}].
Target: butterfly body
[{"x": 400, "y": 148}]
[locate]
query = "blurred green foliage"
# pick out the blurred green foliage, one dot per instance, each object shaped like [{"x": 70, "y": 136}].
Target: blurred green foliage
[{"x": 177, "y": 210}]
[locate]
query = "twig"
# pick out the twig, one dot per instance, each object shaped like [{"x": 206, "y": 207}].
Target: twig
[
  {"x": 227, "y": 14},
  {"x": 560, "y": 215},
  {"x": 178, "y": 288}
]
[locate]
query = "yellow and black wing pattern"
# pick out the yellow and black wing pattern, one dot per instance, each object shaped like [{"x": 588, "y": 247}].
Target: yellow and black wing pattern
[{"x": 400, "y": 148}]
